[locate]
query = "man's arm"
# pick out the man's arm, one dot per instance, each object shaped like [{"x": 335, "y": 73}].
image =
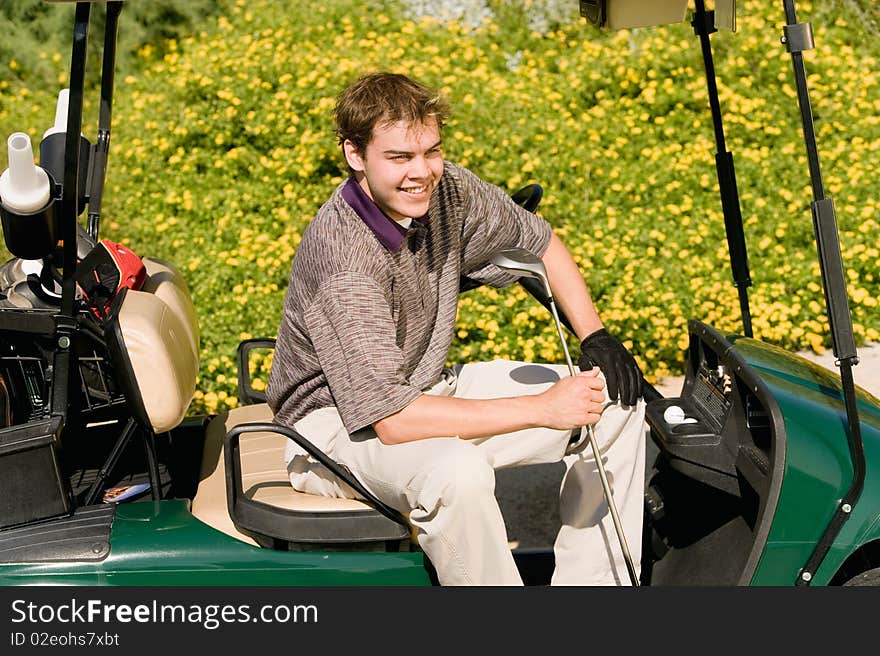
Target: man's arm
[
  {"x": 598, "y": 347},
  {"x": 569, "y": 403},
  {"x": 569, "y": 289}
]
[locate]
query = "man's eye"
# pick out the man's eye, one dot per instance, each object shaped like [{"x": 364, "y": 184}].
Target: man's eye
[
  {"x": 400, "y": 158},
  {"x": 434, "y": 152}
]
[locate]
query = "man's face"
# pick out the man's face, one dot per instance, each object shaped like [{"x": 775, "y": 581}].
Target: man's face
[{"x": 400, "y": 168}]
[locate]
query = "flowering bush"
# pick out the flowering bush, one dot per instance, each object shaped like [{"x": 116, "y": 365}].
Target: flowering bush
[{"x": 223, "y": 150}]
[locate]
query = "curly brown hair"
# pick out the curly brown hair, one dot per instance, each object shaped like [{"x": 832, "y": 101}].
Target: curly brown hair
[{"x": 381, "y": 99}]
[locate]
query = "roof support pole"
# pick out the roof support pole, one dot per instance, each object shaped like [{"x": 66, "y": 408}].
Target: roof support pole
[
  {"x": 797, "y": 38},
  {"x": 703, "y": 25}
]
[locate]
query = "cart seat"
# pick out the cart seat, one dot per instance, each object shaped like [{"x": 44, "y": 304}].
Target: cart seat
[
  {"x": 302, "y": 520},
  {"x": 153, "y": 338}
]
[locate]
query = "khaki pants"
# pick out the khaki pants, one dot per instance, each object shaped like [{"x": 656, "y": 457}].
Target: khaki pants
[{"x": 448, "y": 485}]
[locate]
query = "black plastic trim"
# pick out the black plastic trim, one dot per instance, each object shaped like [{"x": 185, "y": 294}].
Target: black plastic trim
[
  {"x": 33, "y": 485},
  {"x": 270, "y": 524},
  {"x": 31, "y": 321},
  {"x": 84, "y": 536},
  {"x": 834, "y": 279},
  {"x": 247, "y": 395},
  {"x": 122, "y": 363}
]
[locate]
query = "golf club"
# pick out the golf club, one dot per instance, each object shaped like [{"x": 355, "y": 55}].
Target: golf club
[{"x": 521, "y": 261}]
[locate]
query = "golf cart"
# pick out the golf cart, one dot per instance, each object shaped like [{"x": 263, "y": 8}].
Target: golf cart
[{"x": 758, "y": 472}]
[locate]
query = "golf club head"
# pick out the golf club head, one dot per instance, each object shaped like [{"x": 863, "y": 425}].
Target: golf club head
[{"x": 523, "y": 263}]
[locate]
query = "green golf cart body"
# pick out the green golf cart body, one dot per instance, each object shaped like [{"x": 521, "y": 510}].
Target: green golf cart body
[{"x": 770, "y": 483}]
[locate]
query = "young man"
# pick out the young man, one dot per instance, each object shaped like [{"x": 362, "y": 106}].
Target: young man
[{"x": 367, "y": 324}]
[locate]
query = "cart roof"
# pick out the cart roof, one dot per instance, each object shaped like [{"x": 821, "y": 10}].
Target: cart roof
[{"x": 626, "y": 14}]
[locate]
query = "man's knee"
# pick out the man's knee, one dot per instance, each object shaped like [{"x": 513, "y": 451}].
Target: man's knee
[{"x": 460, "y": 476}]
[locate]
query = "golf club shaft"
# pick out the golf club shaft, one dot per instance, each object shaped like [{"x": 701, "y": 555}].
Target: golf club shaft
[
  {"x": 600, "y": 466},
  {"x": 618, "y": 526}
]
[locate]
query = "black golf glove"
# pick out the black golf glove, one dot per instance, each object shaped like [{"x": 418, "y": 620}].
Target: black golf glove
[{"x": 622, "y": 374}]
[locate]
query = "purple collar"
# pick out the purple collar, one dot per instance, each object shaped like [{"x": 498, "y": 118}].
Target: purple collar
[{"x": 390, "y": 233}]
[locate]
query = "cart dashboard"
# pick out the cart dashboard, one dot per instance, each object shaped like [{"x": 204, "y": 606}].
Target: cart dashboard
[{"x": 724, "y": 426}]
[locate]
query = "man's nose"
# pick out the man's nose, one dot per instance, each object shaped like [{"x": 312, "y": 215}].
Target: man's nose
[{"x": 419, "y": 167}]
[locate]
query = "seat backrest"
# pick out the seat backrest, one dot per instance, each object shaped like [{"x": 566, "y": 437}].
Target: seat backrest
[
  {"x": 165, "y": 281},
  {"x": 153, "y": 338}
]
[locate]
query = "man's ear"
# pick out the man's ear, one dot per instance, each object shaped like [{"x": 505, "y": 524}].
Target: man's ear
[{"x": 352, "y": 156}]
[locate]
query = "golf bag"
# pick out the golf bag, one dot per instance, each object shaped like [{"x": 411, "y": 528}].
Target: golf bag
[{"x": 105, "y": 270}]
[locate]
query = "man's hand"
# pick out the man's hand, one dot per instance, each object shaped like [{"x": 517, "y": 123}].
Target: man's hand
[
  {"x": 573, "y": 401},
  {"x": 622, "y": 374}
]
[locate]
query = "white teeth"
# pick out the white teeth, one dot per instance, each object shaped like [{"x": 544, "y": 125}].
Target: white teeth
[{"x": 414, "y": 190}]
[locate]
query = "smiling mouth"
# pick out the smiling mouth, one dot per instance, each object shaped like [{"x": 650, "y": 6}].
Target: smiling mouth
[{"x": 415, "y": 191}]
